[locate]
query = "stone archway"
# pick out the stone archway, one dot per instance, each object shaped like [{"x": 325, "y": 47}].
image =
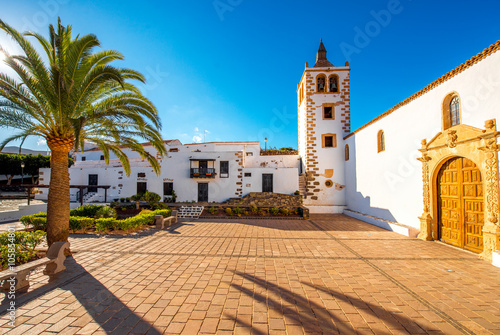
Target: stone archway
[{"x": 479, "y": 147}]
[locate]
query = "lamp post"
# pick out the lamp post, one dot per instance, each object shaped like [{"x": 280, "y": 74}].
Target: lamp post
[
  {"x": 22, "y": 173},
  {"x": 265, "y": 145}
]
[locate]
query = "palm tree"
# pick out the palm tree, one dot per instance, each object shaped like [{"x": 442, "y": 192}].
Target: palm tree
[{"x": 72, "y": 97}]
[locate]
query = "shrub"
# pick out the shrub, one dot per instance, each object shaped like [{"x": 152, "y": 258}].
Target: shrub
[
  {"x": 38, "y": 221},
  {"x": 104, "y": 224},
  {"x": 24, "y": 246},
  {"x": 254, "y": 209},
  {"x": 165, "y": 212},
  {"x": 284, "y": 211},
  {"x": 274, "y": 210},
  {"x": 151, "y": 198},
  {"x": 229, "y": 211},
  {"x": 161, "y": 206},
  {"x": 88, "y": 211},
  {"x": 122, "y": 199},
  {"x": 80, "y": 223},
  {"x": 105, "y": 212},
  {"x": 238, "y": 211},
  {"x": 212, "y": 210}
]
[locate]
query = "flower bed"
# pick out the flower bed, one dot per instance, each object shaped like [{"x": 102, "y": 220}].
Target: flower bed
[
  {"x": 90, "y": 219},
  {"x": 252, "y": 211},
  {"x": 24, "y": 244}
]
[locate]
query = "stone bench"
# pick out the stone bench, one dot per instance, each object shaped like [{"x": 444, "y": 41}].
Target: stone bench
[
  {"x": 162, "y": 222},
  {"x": 54, "y": 263}
]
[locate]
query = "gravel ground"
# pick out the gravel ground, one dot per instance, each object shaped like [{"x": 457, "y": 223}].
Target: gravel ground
[{"x": 13, "y": 205}]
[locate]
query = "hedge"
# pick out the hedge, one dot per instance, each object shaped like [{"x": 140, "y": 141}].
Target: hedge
[{"x": 82, "y": 222}]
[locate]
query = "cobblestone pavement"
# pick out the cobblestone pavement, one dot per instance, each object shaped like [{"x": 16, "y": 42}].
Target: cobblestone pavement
[{"x": 331, "y": 274}]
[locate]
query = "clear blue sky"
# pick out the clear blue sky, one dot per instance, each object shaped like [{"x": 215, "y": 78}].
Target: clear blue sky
[{"x": 231, "y": 67}]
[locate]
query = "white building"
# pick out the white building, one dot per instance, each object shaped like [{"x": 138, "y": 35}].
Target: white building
[
  {"x": 212, "y": 172},
  {"x": 428, "y": 166}
]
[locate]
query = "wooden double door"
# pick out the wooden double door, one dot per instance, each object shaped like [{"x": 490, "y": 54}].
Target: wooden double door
[{"x": 460, "y": 204}]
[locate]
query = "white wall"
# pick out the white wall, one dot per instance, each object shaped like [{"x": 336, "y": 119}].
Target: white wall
[{"x": 388, "y": 185}]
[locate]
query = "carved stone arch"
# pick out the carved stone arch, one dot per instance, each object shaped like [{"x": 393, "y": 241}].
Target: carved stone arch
[{"x": 478, "y": 146}]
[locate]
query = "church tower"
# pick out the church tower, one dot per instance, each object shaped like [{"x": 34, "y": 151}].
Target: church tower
[{"x": 324, "y": 120}]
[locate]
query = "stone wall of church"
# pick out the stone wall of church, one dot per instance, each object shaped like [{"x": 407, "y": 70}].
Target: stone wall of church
[{"x": 388, "y": 184}]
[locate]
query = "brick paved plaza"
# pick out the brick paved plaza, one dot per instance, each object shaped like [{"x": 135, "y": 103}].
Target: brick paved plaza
[{"x": 331, "y": 274}]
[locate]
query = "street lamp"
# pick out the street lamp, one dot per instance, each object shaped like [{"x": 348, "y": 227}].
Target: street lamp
[
  {"x": 265, "y": 145},
  {"x": 22, "y": 173}
]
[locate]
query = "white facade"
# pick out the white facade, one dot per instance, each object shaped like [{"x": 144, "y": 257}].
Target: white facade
[
  {"x": 246, "y": 168},
  {"x": 388, "y": 184}
]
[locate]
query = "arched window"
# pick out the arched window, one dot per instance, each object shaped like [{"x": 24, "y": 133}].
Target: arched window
[
  {"x": 451, "y": 110},
  {"x": 347, "y": 152},
  {"x": 454, "y": 111},
  {"x": 381, "y": 141},
  {"x": 333, "y": 83},
  {"x": 320, "y": 83}
]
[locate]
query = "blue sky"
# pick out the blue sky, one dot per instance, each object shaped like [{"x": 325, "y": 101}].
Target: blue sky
[{"x": 227, "y": 70}]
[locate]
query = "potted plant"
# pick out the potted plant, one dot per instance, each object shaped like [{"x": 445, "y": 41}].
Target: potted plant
[{"x": 297, "y": 192}]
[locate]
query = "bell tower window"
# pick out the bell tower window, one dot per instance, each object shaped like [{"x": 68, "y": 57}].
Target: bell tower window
[
  {"x": 333, "y": 84},
  {"x": 320, "y": 80}
]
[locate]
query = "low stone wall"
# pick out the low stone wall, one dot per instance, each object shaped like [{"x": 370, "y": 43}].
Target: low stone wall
[{"x": 266, "y": 200}]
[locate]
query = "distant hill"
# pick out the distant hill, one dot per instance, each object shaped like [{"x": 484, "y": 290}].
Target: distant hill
[{"x": 15, "y": 150}]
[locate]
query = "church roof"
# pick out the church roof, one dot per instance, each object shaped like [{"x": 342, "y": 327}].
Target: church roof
[
  {"x": 464, "y": 66},
  {"x": 321, "y": 60}
]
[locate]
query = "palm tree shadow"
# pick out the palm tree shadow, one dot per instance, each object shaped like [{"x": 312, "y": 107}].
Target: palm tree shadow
[
  {"x": 314, "y": 317},
  {"x": 106, "y": 309}
]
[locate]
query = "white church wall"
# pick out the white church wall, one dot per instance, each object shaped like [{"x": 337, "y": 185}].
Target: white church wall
[{"x": 388, "y": 185}]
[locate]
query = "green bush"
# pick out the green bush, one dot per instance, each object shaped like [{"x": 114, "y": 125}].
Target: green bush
[
  {"x": 229, "y": 211},
  {"x": 104, "y": 224},
  {"x": 105, "y": 212},
  {"x": 212, "y": 210},
  {"x": 164, "y": 212},
  {"x": 38, "y": 221},
  {"x": 24, "y": 246},
  {"x": 238, "y": 210},
  {"x": 80, "y": 223},
  {"x": 254, "y": 209},
  {"x": 86, "y": 210},
  {"x": 151, "y": 198},
  {"x": 274, "y": 210}
]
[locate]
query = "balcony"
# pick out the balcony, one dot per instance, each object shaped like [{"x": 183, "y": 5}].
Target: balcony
[{"x": 202, "y": 173}]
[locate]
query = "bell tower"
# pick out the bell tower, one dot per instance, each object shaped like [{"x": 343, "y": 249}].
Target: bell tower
[{"x": 324, "y": 119}]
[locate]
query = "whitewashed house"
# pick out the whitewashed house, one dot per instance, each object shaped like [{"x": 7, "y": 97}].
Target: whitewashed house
[{"x": 212, "y": 172}]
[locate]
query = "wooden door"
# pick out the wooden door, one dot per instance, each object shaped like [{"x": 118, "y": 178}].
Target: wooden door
[
  {"x": 460, "y": 204},
  {"x": 267, "y": 182},
  {"x": 202, "y": 192}
]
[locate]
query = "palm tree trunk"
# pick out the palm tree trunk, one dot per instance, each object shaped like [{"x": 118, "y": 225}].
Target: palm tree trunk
[{"x": 58, "y": 198}]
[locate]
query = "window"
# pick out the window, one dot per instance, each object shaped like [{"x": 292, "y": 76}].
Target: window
[
  {"x": 224, "y": 169},
  {"x": 84, "y": 158},
  {"x": 320, "y": 83},
  {"x": 102, "y": 157},
  {"x": 173, "y": 150},
  {"x": 249, "y": 153},
  {"x": 329, "y": 140},
  {"x": 327, "y": 112},
  {"x": 141, "y": 187},
  {"x": 346, "y": 152},
  {"x": 248, "y": 174},
  {"x": 168, "y": 188},
  {"x": 455, "y": 111},
  {"x": 381, "y": 141},
  {"x": 451, "y": 110},
  {"x": 141, "y": 175},
  {"x": 333, "y": 83}
]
